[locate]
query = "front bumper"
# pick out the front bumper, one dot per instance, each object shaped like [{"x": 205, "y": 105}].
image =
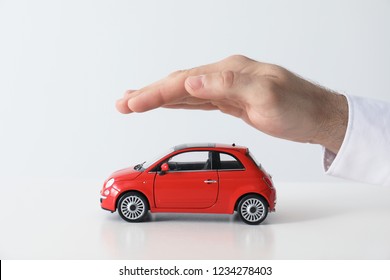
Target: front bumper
[{"x": 108, "y": 202}]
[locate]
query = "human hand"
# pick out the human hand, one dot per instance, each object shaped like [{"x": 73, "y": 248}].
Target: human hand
[{"x": 268, "y": 97}]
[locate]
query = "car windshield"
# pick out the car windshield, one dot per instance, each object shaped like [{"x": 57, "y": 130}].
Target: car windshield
[{"x": 148, "y": 163}]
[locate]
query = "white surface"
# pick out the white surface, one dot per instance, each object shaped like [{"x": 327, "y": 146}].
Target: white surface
[{"x": 62, "y": 219}]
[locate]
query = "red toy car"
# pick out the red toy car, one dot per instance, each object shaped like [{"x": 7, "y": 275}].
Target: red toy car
[{"x": 197, "y": 178}]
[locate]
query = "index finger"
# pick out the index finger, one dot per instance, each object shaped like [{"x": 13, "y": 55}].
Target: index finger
[{"x": 166, "y": 91}]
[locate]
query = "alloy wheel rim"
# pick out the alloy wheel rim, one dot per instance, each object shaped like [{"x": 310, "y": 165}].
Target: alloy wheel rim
[
  {"x": 252, "y": 210},
  {"x": 132, "y": 207}
]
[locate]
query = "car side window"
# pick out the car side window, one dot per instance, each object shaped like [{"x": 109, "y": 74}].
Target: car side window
[
  {"x": 190, "y": 161},
  {"x": 228, "y": 162}
]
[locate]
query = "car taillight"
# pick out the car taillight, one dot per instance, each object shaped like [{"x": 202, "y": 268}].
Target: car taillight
[{"x": 268, "y": 182}]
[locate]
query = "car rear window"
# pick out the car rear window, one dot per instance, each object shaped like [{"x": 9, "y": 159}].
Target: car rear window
[
  {"x": 229, "y": 162},
  {"x": 251, "y": 156}
]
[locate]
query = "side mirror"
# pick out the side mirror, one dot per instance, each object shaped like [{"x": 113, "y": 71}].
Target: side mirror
[{"x": 164, "y": 168}]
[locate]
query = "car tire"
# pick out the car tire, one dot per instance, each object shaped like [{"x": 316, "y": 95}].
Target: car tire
[
  {"x": 133, "y": 207},
  {"x": 253, "y": 209}
]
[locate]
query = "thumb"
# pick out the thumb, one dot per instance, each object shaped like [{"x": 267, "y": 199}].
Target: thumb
[{"x": 215, "y": 86}]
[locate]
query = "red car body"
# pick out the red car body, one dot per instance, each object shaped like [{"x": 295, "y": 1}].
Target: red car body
[{"x": 197, "y": 178}]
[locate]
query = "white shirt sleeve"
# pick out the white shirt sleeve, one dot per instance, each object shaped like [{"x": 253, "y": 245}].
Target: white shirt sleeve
[{"x": 365, "y": 152}]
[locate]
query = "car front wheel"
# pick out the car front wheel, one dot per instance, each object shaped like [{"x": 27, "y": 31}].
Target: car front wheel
[
  {"x": 133, "y": 207},
  {"x": 253, "y": 209}
]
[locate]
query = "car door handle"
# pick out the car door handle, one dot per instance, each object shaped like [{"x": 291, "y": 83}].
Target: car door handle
[{"x": 209, "y": 181}]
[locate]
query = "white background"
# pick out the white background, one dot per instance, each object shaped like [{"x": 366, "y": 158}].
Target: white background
[{"x": 64, "y": 63}]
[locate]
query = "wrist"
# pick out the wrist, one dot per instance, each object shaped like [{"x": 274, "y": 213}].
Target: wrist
[{"x": 334, "y": 122}]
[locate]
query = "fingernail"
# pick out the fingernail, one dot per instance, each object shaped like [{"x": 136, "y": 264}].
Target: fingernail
[{"x": 195, "y": 82}]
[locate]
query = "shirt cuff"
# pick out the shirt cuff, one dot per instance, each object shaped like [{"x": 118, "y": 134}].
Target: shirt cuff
[{"x": 365, "y": 152}]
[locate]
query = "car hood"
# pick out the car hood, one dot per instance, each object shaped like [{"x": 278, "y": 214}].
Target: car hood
[{"x": 126, "y": 174}]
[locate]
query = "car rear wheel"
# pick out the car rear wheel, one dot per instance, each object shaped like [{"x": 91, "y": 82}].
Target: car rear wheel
[
  {"x": 253, "y": 209},
  {"x": 133, "y": 207}
]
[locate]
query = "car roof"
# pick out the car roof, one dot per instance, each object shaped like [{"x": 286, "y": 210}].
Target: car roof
[{"x": 209, "y": 145}]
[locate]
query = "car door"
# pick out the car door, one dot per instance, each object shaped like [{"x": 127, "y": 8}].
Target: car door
[{"x": 190, "y": 182}]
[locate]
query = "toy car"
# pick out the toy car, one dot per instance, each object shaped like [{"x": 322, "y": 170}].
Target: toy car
[{"x": 193, "y": 178}]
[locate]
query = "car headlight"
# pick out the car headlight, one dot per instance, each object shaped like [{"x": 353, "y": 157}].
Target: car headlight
[{"x": 110, "y": 183}]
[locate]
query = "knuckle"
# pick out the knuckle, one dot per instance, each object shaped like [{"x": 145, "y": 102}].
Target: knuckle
[
  {"x": 238, "y": 58},
  {"x": 237, "y": 62},
  {"x": 227, "y": 78},
  {"x": 277, "y": 71}
]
